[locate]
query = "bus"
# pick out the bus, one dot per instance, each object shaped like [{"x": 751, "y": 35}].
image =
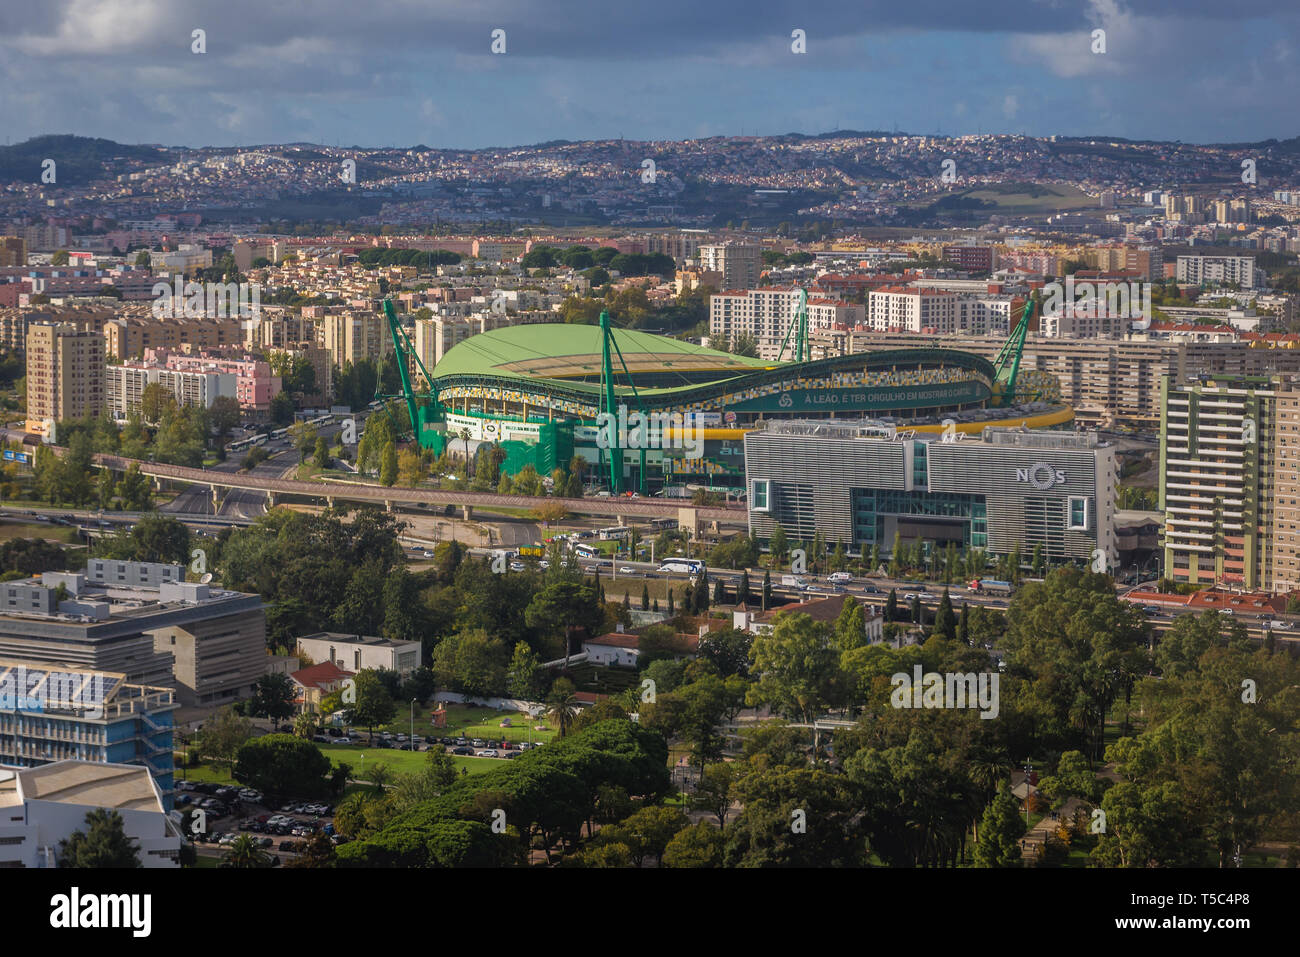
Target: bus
[
  {"x": 257, "y": 439},
  {"x": 689, "y": 566},
  {"x": 661, "y": 524},
  {"x": 325, "y": 419},
  {"x": 616, "y": 531},
  {"x": 279, "y": 433},
  {"x": 586, "y": 551}
]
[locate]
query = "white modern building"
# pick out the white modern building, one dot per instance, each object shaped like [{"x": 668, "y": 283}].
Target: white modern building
[
  {"x": 1198, "y": 269},
  {"x": 41, "y": 806},
  {"x": 360, "y": 652}
]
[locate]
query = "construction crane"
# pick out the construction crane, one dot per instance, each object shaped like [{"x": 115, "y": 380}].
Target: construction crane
[{"x": 425, "y": 411}]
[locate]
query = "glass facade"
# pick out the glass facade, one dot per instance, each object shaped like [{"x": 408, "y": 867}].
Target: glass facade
[{"x": 871, "y": 508}]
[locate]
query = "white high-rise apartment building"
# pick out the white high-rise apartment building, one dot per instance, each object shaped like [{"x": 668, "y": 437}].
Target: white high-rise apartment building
[{"x": 1217, "y": 269}]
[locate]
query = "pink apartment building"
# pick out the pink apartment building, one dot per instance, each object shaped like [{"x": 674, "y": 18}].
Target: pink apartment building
[{"x": 255, "y": 385}]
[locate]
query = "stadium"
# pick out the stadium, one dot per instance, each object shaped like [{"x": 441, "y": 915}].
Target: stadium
[{"x": 539, "y": 389}]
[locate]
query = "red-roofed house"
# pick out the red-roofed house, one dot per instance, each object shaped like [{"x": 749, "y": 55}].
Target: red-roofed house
[
  {"x": 826, "y": 610},
  {"x": 314, "y": 683}
]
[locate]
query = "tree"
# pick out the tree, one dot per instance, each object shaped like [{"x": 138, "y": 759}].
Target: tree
[
  {"x": 891, "y": 605},
  {"x": 244, "y": 852},
  {"x": 281, "y": 410},
  {"x": 273, "y": 697},
  {"x": 282, "y": 765},
  {"x": 767, "y": 589},
  {"x": 155, "y": 398},
  {"x": 388, "y": 465},
  {"x": 374, "y": 705},
  {"x": 104, "y": 844},
  {"x": 562, "y": 704},
  {"x": 223, "y": 734},
  {"x": 713, "y": 789},
  {"x": 945, "y": 621},
  {"x": 727, "y": 650},
  {"x": 410, "y": 468},
  {"x": 742, "y": 590},
  {"x": 797, "y": 667},
  {"x": 999, "y": 832},
  {"x": 321, "y": 457},
  {"x": 779, "y": 547},
  {"x": 59, "y": 258},
  {"x": 224, "y": 415},
  {"x": 524, "y": 677}
]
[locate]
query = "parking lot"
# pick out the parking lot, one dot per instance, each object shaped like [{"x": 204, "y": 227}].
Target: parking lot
[{"x": 231, "y": 811}]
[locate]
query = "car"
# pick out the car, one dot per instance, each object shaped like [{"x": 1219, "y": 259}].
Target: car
[
  {"x": 461, "y": 742},
  {"x": 627, "y": 570},
  {"x": 517, "y": 566},
  {"x": 288, "y": 845},
  {"x": 912, "y": 594},
  {"x": 524, "y": 745},
  {"x": 543, "y": 564},
  {"x": 334, "y": 732},
  {"x": 485, "y": 753},
  {"x": 870, "y": 590},
  {"x": 264, "y": 842},
  {"x": 427, "y": 554},
  {"x": 479, "y": 743},
  {"x": 510, "y": 754},
  {"x": 401, "y": 737},
  {"x": 447, "y": 741},
  {"x": 343, "y": 739},
  {"x": 462, "y": 750}
]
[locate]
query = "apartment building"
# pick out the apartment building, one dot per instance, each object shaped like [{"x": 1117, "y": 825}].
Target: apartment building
[
  {"x": 1217, "y": 269},
  {"x": 899, "y": 309},
  {"x": 124, "y": 386},
  {"x": 13, "y": 251},
  {"x": 767, "y": 313},
  {"x": 739, "y": 263},
  {"x": 1218, "y": 440},
  {"x": 65, "y": 375},
  {"x": 1144, "y": 262},
  {"x": 131, "y": 337},
  {"x": 254, "y": 384},
  {"x": 435, "y": 337},
  {"x": 355, "y": 336},
  {"x": 973, "y": 258}
]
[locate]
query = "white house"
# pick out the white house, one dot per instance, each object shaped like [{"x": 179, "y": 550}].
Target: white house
[
  {"x": 44, "y": 805},
  {"x": 361, "y": 652}
]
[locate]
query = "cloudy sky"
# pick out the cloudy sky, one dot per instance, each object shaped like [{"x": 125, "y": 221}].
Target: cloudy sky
[{"x": 400, "y": 72}]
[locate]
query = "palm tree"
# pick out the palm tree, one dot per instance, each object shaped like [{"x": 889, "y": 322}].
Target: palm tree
[
  {"x": 304, "y": 726},
  {"x": 464, "y": 437},
  {"x": 244, "y": 852},
  {"x": 563, "y": 702}
]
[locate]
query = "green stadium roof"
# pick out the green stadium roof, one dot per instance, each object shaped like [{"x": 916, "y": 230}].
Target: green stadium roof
[{"x": 565, "y": 352}]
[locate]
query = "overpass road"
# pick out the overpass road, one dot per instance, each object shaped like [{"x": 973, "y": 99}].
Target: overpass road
[{"x": 272, "y": 488}]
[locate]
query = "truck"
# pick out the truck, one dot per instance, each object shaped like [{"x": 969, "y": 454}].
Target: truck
[
  {"x": 793, "y": 581},
  {"x": 991, "y": 586}
]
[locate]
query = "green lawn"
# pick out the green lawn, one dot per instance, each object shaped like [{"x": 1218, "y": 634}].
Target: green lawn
[
  {"x": 470, "y": 722},
  {"x": 46, "y": 530},
  {"x": 361, "y": 758}
]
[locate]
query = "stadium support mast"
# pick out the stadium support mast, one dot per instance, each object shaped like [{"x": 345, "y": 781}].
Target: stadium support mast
[
  {"x": 799, "y": 327},
  {"x": 1006, "y": 364},
  {"x": 608, "y": 350},
  {"x": 420, "y": 414}
]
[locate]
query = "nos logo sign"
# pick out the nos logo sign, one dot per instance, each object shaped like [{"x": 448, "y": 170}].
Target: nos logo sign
[{"x": 1041, "y": 475}]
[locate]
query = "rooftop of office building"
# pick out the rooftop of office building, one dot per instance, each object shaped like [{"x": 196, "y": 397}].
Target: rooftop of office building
[
  {"x": 124, "y": 787},
  {"x": 884, "y": 430}
]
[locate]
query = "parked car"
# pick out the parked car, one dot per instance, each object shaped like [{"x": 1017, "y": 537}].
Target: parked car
[
  {"x": 343, "y": 740},
  {"x": 479, "y": 743},
  {"x": 462, "y": 750},
  {"x": 485, "y": 753},
  {"x": 288, "y": 845}
]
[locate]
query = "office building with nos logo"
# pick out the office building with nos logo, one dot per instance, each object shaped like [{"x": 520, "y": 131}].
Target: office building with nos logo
[{"x": 863, "y": 482}]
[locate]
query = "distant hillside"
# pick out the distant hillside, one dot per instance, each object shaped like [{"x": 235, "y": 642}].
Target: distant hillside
[{"x": 79, "y": 159}]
